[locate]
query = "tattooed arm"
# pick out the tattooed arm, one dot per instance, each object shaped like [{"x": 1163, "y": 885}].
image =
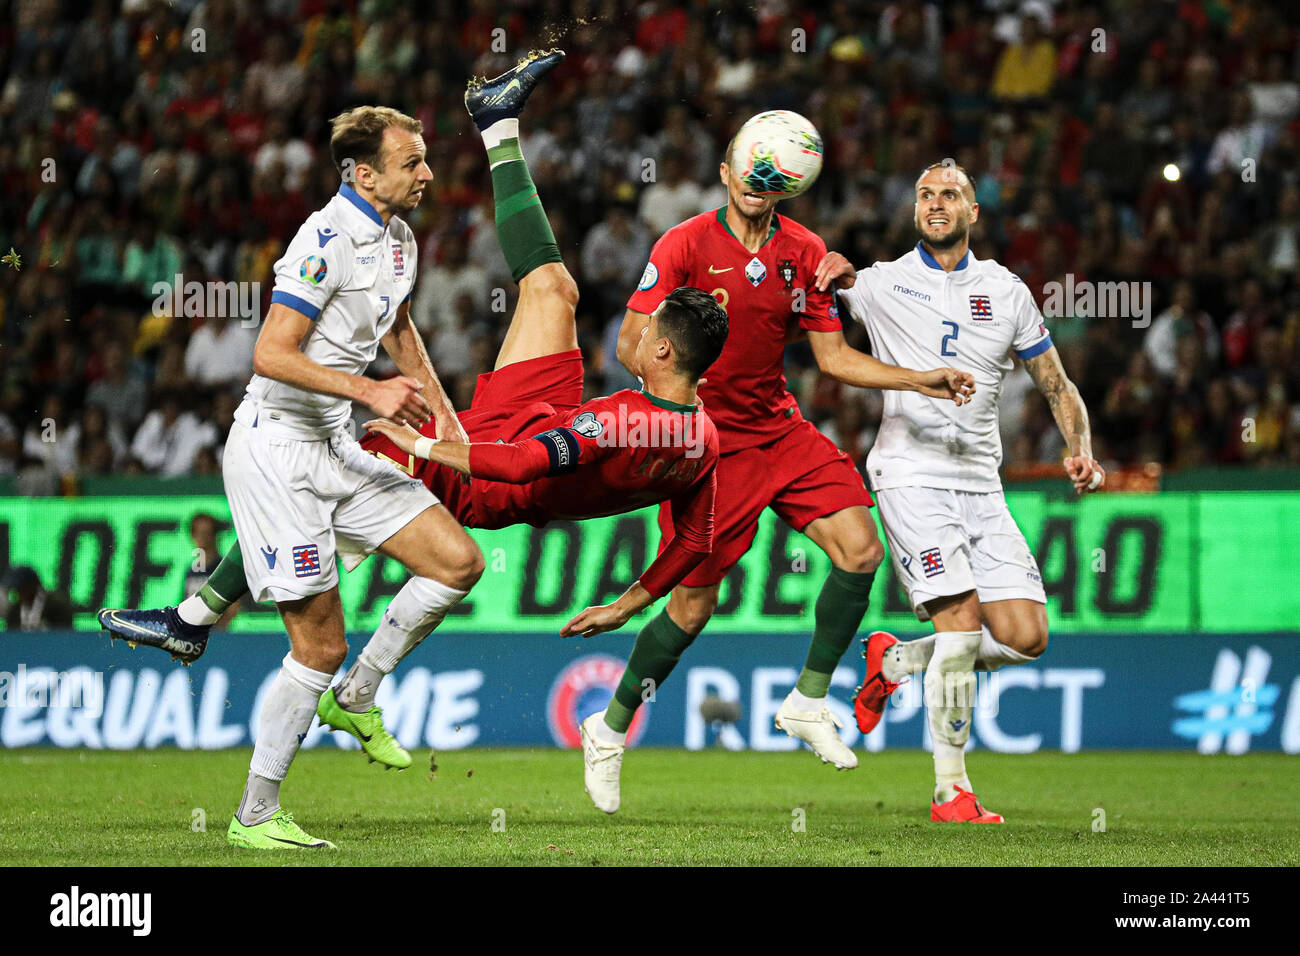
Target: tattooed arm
[{"x": 1071, "y": 417}]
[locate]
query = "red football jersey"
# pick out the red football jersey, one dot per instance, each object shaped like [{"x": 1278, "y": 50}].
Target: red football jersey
[
  {"x": 611, "y": 455},
  {"x": 745, "y": 392}
]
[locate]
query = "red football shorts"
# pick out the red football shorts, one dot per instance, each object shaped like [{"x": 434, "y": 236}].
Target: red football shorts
[
  {"x": 802, "y": 476},
  {"x": 507, "y": 405},
  {"x": 501, "y": 396}
]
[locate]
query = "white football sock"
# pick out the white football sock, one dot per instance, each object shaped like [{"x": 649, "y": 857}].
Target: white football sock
[
  {"x": 805, "y": 705},
  {"x": 261, "y": 800},
  {"x": 994, "y": 654},
  {"x": 607, "y": 735},
  {"x": 411, "y": 616},
  {"x": 949, "y": 771},
  {"x": 356, "y": 691},
  {"x": 949, "y": 699},
  {"x": 286, "y": 717},
  {"x": 194, "y": 610},
  {"x": 500, "y": 131},
  {"x": 907, "y": 657}
]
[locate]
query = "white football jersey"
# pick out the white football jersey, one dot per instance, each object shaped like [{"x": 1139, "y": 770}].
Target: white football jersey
[
  {"x": 349, "y": 273},
  {"x": 919, "y": 316}
]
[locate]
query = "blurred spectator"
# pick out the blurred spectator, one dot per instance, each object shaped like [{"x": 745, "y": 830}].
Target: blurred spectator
[
  {"x": 120, "y": 395},
  {"x": 170, "y": 438},
  {"x": 276, "y": 80},
  {"x": 672, "y": 199},
  {"x": 1180, "y": 320},
  {"x": 1026, "y": 68},
  {"x": 614, "y": 255},
  {"x": 151, "y": 258},
  {"x": 221, "y": 352},
  {"x": 1243, "y": 138},
  {"x": 203, "y": 533},
  {"x": 288, "y": 156},
  {"x": 95, "y": 443},
  {"x": 29, "y": 606},
  {"x": 442, "y": 284}
]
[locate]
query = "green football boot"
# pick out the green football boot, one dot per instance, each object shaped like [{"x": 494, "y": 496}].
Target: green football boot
[
  {"x": 368, "y": 728},
  {"x": 277, "y": 833}
]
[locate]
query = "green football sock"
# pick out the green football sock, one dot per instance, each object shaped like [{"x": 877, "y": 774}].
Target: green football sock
[
  {"x": 838, "y": 614},
  {"x": 227, "y": 584},
  {"x": 522, "y": 227},
  {"x": 656, "y": 652}
]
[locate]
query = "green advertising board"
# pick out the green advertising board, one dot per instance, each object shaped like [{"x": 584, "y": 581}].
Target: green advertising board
[{"x": 1176, "y": 562}]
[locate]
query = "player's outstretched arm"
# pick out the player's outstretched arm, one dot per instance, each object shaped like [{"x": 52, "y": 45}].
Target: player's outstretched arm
[
  {"x": 453, "y": 454},
  {"x": 1071, "y": 417},
  {"x": 692, "y": 540},
  {"x": 516, "y": 463},
  {"x": 629, "y": 334},
  {"x": 278, "y": 355},
  {"x": 406, "y": 348},
  {"x": 841, "y": 361},
  {"x": 609, "y": 617}
]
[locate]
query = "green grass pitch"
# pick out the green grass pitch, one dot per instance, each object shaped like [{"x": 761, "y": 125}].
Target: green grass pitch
[{"x": 60, "y": 808}]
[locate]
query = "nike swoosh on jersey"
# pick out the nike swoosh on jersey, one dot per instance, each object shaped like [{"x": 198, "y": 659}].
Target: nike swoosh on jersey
[{"x": 714, "y": 272}]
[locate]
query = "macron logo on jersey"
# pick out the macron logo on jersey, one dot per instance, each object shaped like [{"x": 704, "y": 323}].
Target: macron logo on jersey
[
  {"x": 325, "y": 235},
  {"x": 904, "y": 290}
]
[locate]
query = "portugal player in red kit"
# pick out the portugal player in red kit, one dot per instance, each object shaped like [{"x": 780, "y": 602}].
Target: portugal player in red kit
[
  {"x": 537, "y": 453},
  {"x": 763, "y": 269}
]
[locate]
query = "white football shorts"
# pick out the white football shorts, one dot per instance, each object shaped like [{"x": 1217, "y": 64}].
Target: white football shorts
[
  {"x": 296, "y": 503},
  {"x": 948, "y": 542}
]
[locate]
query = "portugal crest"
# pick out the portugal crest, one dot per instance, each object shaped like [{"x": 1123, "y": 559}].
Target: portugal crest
[{"x": 785, "y": 269}]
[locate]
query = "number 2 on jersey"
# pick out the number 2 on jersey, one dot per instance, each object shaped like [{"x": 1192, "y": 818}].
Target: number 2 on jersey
[{"x": 951, "y": 336}]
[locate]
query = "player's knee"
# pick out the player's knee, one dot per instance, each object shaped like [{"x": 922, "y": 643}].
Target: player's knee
[
  {"x": 692, "y": 612},
  {"x": 866, "y": 557},
  {"x": 328, "y": 655},
  {"x": 464, "y": 566},
  {"x": 1035, "y": 640},
  {"x": 1028, "y": 638},
  {"x": 553, "y": 280}
]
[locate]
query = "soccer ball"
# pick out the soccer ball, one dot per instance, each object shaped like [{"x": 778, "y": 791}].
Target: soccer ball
[{"x": 777, "y": 153}]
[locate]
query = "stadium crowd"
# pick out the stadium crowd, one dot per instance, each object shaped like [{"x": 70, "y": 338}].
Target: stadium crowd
[{"x": 142, "y": 140}]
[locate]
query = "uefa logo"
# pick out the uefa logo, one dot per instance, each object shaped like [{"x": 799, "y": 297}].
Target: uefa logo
[{"x": 584, "y": 687}]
